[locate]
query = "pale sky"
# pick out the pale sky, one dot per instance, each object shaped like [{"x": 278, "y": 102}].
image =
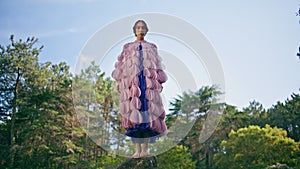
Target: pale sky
[{"x": 256, "y": 41}]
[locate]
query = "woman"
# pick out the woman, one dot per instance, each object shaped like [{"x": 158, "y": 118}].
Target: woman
[{"x": 139, "y": 75}]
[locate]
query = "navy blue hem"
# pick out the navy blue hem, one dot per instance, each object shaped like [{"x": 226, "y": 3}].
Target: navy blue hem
[{"x": 142, "y": 132}]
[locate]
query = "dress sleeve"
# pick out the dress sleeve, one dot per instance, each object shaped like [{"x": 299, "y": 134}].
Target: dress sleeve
[
  {"x": 117, "y": 72},
  {"x": 161, "y": 75}
]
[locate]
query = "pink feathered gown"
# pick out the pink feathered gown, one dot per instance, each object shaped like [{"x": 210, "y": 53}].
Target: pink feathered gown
[{"x": 139, "y": 75}]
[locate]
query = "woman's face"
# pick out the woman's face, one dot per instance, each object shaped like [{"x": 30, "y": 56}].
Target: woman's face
[{"x": 140, "y": 29}]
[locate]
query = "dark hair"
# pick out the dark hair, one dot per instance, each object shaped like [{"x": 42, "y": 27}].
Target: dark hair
[{"x": 137, "y": 23}]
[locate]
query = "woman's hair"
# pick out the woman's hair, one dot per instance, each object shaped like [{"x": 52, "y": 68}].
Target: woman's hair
[{"x": 137, "y": 23}]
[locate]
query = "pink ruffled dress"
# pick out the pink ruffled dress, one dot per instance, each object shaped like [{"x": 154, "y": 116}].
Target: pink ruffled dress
[{"x": 139, "y": 75}]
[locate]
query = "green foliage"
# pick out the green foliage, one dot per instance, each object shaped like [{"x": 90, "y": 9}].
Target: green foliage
[
  {"x": 109, "y": 162},
  {"x": 256, "y": 147},
  {"x": 195, "y": 107},
  {"x": 37, "y": 110},
  {"x": 287, "y": 116},
  {"x": 39, "y": 127},
  {"x": 102, "y": 162},
  {"x": 94, "y": 98},
  {"x": 178, "y": 157}
]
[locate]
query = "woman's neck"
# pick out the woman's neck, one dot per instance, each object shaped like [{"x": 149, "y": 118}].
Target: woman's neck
[{"x": 140, "y": 40}]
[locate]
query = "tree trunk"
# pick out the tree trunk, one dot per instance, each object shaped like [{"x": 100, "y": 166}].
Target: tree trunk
[{"x": 13, "y": 118}]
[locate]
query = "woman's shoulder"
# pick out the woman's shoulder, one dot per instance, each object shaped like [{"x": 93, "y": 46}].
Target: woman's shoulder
[
  {"x": 128, "y": 44},
  {"x": 151, "y": 44}
]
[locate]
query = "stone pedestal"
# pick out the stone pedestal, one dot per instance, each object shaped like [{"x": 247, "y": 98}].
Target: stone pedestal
[{"x": 140, "y": 163}]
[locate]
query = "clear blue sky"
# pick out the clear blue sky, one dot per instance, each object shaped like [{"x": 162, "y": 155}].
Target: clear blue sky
[{"x": 256, "y": 40}]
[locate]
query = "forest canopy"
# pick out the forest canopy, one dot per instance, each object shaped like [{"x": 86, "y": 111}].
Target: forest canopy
[{"x": 39, "y": 127}]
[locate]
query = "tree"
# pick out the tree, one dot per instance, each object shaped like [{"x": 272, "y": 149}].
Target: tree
[
  {"x": 107, "y": 97},
  {"x": 256, "y": 147},
  {"x": 36, "y": 110},
  {"x": 18, "y": 61},
  {"x": 178, "y": 157},
  {"x": 196, "y": 107},
  {"x": 286, "y": 115}
]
